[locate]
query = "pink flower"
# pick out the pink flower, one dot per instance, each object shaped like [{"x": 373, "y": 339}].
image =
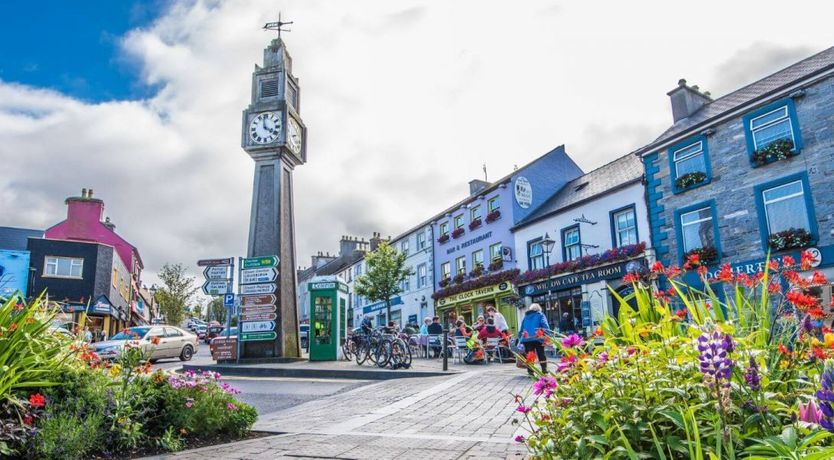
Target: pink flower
[
  {"x": 545, "y": 385},
  {"x": 519, "y": 438},
  {"x": 572, "y": 340},
  {"x": 603, "y": 357},
  {"x": 523, "y": 409},
  {"x": 189, "y": 403},
  {"x": 231, "y": 406},
  {"x": 809, "y": 412}
]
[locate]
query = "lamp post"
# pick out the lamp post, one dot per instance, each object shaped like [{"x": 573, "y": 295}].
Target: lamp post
[
  {"x": 154, "y": 310},
  {"x": 547, "y": 247}
]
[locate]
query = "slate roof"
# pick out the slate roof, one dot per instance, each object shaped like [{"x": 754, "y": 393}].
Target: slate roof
[
  {"x": 608, "y": 178},
  {"x": 808, "y": 67},
  {"x": 16, "y": 239}
]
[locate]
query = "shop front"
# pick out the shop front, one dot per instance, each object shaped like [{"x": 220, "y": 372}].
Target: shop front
[
  {"x": 578, "y": 301},
  {"x": 378, "y": 311},
  {"x": 469, "y": 305},
  {"x": 98, "y": 316}
]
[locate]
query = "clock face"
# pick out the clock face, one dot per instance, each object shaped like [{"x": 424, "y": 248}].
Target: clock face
[
  {"x": 265, "y": 127},
  {"x": 294, "y": 137}
]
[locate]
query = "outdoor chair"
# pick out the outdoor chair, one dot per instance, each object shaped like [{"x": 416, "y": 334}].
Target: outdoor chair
[
  {"x": 434, "y": 345},
  {"x": 460, "y": 348},
  {"x": 491, "y": 347}
]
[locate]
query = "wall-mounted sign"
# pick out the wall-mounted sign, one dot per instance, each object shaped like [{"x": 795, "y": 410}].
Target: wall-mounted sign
[
  {"x": 572, "y": 280},
  {"x": 322, "y": 286},
  {"x": 475, "y": 294},
  {"x": 523, "y": 192}
]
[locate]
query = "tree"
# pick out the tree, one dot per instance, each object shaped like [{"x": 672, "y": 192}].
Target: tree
[
  {"x": 176, "y": 293},
  {"x": 383, "y": 280},
  {"x": 216, "y": 310}
]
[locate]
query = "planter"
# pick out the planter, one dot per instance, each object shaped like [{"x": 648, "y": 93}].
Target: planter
[
  {"x": 496, "y": 265},
  {"x": 493, "y": 216},
  {"x": 489, "y": 279},
  {"x": 444, "y": 282},
  {"x": 443, "y": 238},
  {"x": 775, "y": 151},
  {"x": 459, "y": 278},
  {"x": 790, "y": 239},
  {"x": 690, "y": 180},
  {"x": 706, "y": 255},
  {"x": 585, "y": 262},
  {"x": 458, "y": 232},
  {"x": 475, "y": 224},
  {"x": 477, "y": 271}
]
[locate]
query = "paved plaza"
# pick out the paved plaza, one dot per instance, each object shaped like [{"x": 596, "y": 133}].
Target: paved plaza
[{"x": 467, "y": 415}]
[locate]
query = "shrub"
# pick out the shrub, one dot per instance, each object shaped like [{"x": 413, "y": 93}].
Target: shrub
[{"x": 64, "y": 435}]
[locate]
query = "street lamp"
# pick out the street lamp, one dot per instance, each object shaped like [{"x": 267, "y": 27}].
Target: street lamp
[
  {"x": 547, "y": 247},
  {"x": 154, "y": 309}
]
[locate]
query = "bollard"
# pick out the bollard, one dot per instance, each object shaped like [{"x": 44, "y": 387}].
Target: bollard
[{"x": 445, "y": 345}]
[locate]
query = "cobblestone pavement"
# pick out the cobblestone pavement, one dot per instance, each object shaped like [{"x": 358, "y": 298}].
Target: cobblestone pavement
[{"x": 464, "y": 416}]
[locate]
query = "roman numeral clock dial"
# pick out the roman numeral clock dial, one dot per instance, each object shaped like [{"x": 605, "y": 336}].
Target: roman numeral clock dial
[{"x": 265, "y": 127}]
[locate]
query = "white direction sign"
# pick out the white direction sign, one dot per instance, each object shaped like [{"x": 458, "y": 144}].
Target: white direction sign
[
  {"x": 258, "y": 275},
  {"x": 267, "y": 288},
  {"x": 257, "y": 326},
  {"x": 218, "y": 272},
  {"x": 214, "y": 287}
]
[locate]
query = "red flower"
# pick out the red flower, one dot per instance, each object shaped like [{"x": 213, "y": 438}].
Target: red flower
[
  {"x": 725, "y": 274},
  {"x": 745, "y": 280},
  {"x": 530, "y": 357},
  {"x": 13, "y": 327},
  {"x": 783, "y": 349},
  {"x": 788, "y": 261},
  {"x": 826, "y": 330},
  {"x": 805, "y": 260},
  {"x": 818, "y": 353},
  {"x": 673, "y": 271},
  {"x": 28, "y": 420},
  {"x": 702, "y": 271},
  {"x": 773, "y": 265},
  {"x": 37, "y": 400},
  {"x": 524, "y": 334},
  {"x": 774, "y": 287},
  {"x": 681, "y": 313},
  {"x": 539, "y": 333},
  {"x": 816, "y": 313},
  {"x": 802, "y": 301},
  {"x": 657, "y": 267},
  {"x": 631, "y": 278},
  {"x": 818, "y": 278},
  {"x": 598, "y": 332}
]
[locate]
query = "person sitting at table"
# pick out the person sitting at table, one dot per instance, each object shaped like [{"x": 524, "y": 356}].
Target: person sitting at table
[
  {"x": 479, "y": 324},
  {"x": 436, "y": 329},
  {"x": 462, "y": 330},
  {"x": 490, "y": 331}
]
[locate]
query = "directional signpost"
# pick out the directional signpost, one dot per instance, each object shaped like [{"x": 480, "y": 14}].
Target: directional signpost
[
  {"x": 217, "y": 287},
  {"x": 258, "y": 262},
  {"x": 267, "y": 288},
  {"x": 258, "y": 302},
  {"x": 258, "y": 275},
  {"x": 213, "y": 262},
  {"x": 216, "y": 272},
  {"x": 220, "y": 281},
  {"x": 258, "y": 326},
  {"x": 261, "y": 299},
  {"x": 252, "y": 336}
]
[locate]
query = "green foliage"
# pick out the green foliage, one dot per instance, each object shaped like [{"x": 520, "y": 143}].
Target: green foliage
[
  {"x": 176, "y": 294},
  {"x": 171, "y": 441},
  {"x": 64, "y": 435},
  {"x": 216, "y": 311},
  {"x": 386, "y": 272},
  {"x": 641, "y": 392}
]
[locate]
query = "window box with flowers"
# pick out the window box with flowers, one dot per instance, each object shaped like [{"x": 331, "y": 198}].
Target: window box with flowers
[
  {"x": 706, "y": 255},
  {"x": 690, "y": 180},
  {"x": 781, "y": 149},
  {"x": 493, "y": 216},
  {"x": 443, "y": 238},
  {"x": 496, "y": 265},
  {"x": 445, "y": 282},
  {"x": 458, "y": 232},
  {"x": 459, "y": 278},
  {"x": 791, "y": 238},
  {"x": 475, "y": 224},
  {"x": 477, "y": 271}
]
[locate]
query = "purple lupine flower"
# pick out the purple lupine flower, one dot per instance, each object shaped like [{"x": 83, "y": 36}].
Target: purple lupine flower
[
  {"x": 754, "y": 380},
  {"x": 825, "y": 396},
  {"x": 715, "y": 349}
]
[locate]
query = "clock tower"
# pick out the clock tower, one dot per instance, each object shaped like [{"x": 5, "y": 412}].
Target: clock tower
[{"x": 275, "y": 137}]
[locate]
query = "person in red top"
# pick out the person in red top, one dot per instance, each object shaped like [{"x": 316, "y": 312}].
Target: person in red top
[{"x": 490, "y": 331}]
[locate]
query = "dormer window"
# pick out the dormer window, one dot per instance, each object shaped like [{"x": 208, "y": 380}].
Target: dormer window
[{"x": 269, "y": 88}]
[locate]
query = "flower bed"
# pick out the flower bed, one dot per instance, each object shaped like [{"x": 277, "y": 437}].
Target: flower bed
[
  {"x": 690, "y": 180},
  {"x": 749, "y": 378},
  {"x": 458, "y": 232},
  {"x": 483, "y": 281},
  {"x": 790, "y": 239},
  {"x": 582, "y": 263},
  {"x": 775, "y": 151}
]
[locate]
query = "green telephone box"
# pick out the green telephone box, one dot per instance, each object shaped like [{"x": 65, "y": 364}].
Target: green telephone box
[{"x": 328, "y": 305}]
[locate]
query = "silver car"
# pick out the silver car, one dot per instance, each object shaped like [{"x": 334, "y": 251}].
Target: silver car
[{"x": 157, "y": 342}]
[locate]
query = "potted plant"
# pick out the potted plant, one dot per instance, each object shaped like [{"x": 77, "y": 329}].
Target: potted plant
[
  {"x": 459, "y": 278},
  {"x": 444, "y": 282},
  {"x": 493, "y": 216},
  {"x": 781, "y": 149},
  {"x": 475, "y": 224},
  {"x": 458, "y": 232},
  {"x": 496, "y": 265},
  {"x": 443, "y": 238},
  {"x": 690, "y": 180},
  {"x": 477, "y": 271},
  {"x": 790, "y": 239},
  {"x": 705, "y": 256}
]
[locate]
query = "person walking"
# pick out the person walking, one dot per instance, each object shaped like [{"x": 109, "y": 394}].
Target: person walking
[{"x": 533, "y": 340}]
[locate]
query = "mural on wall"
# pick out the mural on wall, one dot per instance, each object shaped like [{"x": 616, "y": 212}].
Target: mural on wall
[{"x": 14, "y": 271}]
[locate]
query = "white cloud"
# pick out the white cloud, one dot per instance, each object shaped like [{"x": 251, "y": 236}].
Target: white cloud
[{"x": 404, "y": 102}]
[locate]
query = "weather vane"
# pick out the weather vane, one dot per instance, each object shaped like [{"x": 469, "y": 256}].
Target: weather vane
[{"x": 278, "y": 26}]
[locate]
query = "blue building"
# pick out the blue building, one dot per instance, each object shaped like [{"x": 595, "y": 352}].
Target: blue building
[
  {"x": 747, "y": 174},
  {"x": 474, "y": 258},
  {"x": 14, "y": 260}
]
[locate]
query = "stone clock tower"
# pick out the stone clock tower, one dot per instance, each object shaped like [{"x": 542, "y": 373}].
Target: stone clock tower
[{"x": 275, "y": 137}]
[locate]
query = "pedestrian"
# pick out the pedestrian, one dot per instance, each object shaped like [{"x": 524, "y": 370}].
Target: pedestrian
[
  {"x": 500, "y": 321},
  {"x": 436, "y": 330},
  {"x": 103, "y": 336},
  {"x": 88, "y": 336},
  {"x": 565, "y": 323},
  {"x": 531, "y": 337}
]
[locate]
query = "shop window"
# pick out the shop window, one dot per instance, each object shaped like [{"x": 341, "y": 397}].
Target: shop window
[{"x": 63, "y": 267}]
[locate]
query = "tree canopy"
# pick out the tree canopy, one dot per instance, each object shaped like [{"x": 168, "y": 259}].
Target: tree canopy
[
  {"x": 384, "y": 276},
  {"x": 176, "y": 294}
]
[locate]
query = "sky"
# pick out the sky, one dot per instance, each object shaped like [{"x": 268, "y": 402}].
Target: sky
[{"x": 404, "y": 102}]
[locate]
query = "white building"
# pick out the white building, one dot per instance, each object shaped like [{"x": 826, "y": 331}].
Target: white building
[{"x": 582, "y": 241}]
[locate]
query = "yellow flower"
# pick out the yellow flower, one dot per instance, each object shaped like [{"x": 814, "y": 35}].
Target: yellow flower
[
  {"x": 829, "y": 340},
  {"x": 115, "y": 370},
  {"x": 783, "y": 364},
  {"x": 815, "y": 342}
]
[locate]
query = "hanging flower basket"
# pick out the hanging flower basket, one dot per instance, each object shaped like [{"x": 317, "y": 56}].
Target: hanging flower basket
[
  {"x": 690, "y": 180},
  {"x": 493, "y": 216},
  {"x": 706, "y": 255},
  {"x": 458, "y": 232},
  {"x": 443, "y": 238},
  {"x": 475, "y": 224},
  {"x": 459, "y": 278},
  {"x": 775, "y": 151},
  {"x": 496, "y": 265},
  {"x": 790, "y": 239}
]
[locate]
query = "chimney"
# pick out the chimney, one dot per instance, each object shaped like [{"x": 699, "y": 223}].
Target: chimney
[
  {"x": 347, "y": 245},
  {"x": 686, "y": 100},
  {"x": 84, "y": 213},
  {"x": 476, "y": 185}
]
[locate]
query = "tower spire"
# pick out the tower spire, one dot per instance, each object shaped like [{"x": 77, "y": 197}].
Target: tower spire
[{"x": 278, "y": 25}]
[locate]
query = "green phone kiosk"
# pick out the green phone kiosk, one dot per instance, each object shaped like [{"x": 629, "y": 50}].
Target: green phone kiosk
[{"x": 328, "y": 316}]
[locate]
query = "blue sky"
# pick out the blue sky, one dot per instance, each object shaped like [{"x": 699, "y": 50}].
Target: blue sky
[{"x": 73, "y": 47}]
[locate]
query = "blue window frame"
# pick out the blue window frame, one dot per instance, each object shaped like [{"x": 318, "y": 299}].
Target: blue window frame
[
  {"x": 690, "y": 158},
  {"x": 624, "y": 226},
  {"x": 535, "y": 254},
  {"x": 771, "y": 123},
  {"x": 785, "y": 203},
  {"x": 696, "y": 227},
  {"x": 571, "y": 243}
]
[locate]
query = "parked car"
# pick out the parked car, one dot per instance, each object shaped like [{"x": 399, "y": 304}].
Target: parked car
[
  {"x": 201, "y": 331},
  {"x": 173, "y": 343},
  {"x": 303, "y": 334},
  {"x": 212, "y": 332}
]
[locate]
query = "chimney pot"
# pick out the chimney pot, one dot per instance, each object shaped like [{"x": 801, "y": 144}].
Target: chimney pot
[
  {"x": 682, "y": 82},
  {"x": 90, "y": 193},
  {"x": 83, "y": 193}
]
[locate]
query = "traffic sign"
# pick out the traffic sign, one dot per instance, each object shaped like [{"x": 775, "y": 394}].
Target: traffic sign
[
  {"x": 253, "y": 336},
  {"x": 215, "y": 287},
  {"x": 254, "y": 309},
  {"x": 266, "y": 288},
  {"x": 258, "y": 317},
  {"x": 228, "y": 300},
  {"x": 216, "y": 272},
  {"x": 213, "y": 262},
  {"x": 262, "y": 299},
  {"x": 257, "y": 262},
  {"x": 257, "y": 326},
  {"x": 258, "y": 275}
]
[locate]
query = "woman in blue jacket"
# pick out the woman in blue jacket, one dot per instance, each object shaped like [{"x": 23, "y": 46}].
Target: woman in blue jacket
[{"x": 533, "y": 322}]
